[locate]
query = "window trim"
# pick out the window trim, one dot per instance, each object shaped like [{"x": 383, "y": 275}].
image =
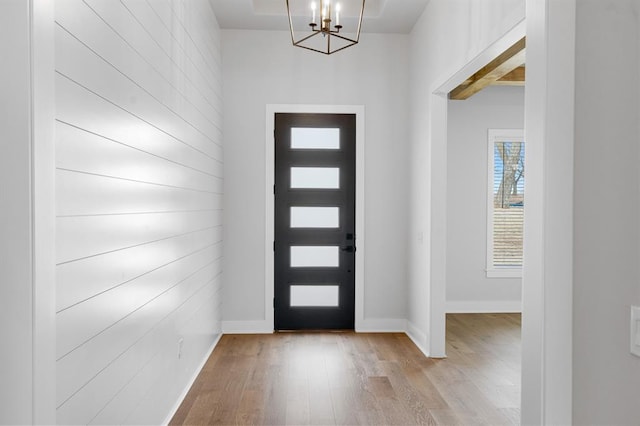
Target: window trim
[{"x": 493, "y": 136}]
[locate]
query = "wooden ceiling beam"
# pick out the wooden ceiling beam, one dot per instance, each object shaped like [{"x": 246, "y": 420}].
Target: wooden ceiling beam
[
  {"x": 509, "y": 60},
  {"x": 514, "y": 78}
]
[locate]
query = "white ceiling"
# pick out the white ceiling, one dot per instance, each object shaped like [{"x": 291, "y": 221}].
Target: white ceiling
[{"x": 381, "y": 16}]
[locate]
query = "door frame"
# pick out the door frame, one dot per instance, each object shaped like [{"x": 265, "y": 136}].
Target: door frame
[
  {"x": 550, "y": 28},
  {"x": 435, "y": 339},
  {"x": 271, "y": 110}
]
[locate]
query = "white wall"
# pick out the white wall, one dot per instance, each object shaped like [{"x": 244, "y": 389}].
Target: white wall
[
  {"x": 262, "y": 67},
  {"x": 448, "y": 36},
  {"x": 15, "y": 212},
  {"x": 548, "y": 240},
  {"x": 468, "y": 288},
  {"x": 606, "y": 377},
  {"x": 138, "y": 205},
  {"x": 27, "y": 330}
]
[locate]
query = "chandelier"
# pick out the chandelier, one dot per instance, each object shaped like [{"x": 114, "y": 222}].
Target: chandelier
[{"x": 325, "y": 26}]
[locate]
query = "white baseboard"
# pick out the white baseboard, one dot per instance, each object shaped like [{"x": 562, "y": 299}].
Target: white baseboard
[
  {"x": 191, "y": 381},
  {"x": 488, "y": 306},
  {"x": 418, "y": 337},
  {"x": 247, "y": 327},
  {"x": 381, "y": 325}
]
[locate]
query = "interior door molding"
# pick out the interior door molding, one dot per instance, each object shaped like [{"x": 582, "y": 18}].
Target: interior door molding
[
  {"x": 547, "y": 298},
  {"x": 271, "y": 109},
  {"x": 433, "y": 341}
]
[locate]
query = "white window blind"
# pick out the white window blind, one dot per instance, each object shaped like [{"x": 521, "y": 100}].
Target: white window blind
[{"x": 505, "y": 215}]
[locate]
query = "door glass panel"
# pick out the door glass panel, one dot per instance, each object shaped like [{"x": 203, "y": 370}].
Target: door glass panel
[
  {"x": 315, "y": 256},
  {"x": 314, "y": 295},
  {"x": 315, "y": 177},
  {"x": 309, "y": 138},
  {"x": 315, "y": 217}
]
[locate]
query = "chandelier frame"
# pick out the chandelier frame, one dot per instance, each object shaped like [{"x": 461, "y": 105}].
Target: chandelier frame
[{"x": 326, "y": 31}]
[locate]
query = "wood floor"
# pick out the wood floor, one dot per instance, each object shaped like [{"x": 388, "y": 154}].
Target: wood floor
[{"x": 362, "y": 379}]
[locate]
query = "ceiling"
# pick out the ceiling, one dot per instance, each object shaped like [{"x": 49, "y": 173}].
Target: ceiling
[{"x": 381, "y": 16}]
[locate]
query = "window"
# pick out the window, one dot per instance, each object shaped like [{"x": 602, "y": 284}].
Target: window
[{"x": 505, "y": 203}]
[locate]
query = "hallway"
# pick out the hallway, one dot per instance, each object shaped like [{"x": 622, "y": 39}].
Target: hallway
[{"x": 348, "y": 378}]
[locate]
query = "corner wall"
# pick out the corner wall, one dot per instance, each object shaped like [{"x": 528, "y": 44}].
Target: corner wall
[
  {"x": 139, "y": 184},
  {"x": 16, "y": 216},
  {"x": 27, "y": 326}
]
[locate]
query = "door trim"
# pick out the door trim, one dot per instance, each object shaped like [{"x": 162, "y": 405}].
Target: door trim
[
  {"x": 271, "y": 110},
  {"x": 433, "y": 341}
]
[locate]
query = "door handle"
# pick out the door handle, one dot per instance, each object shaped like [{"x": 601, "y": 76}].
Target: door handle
[{"x": 349, "y": 249}]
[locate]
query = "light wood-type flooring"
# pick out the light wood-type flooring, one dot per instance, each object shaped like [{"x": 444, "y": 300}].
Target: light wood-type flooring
[{"x": 362, "y": 379}]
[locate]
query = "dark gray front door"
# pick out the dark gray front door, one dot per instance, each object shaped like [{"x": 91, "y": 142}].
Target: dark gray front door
[{"x": 314, "y": 221}]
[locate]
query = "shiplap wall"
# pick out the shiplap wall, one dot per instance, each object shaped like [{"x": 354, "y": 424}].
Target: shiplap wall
[{"x": 139, "y": 204}]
